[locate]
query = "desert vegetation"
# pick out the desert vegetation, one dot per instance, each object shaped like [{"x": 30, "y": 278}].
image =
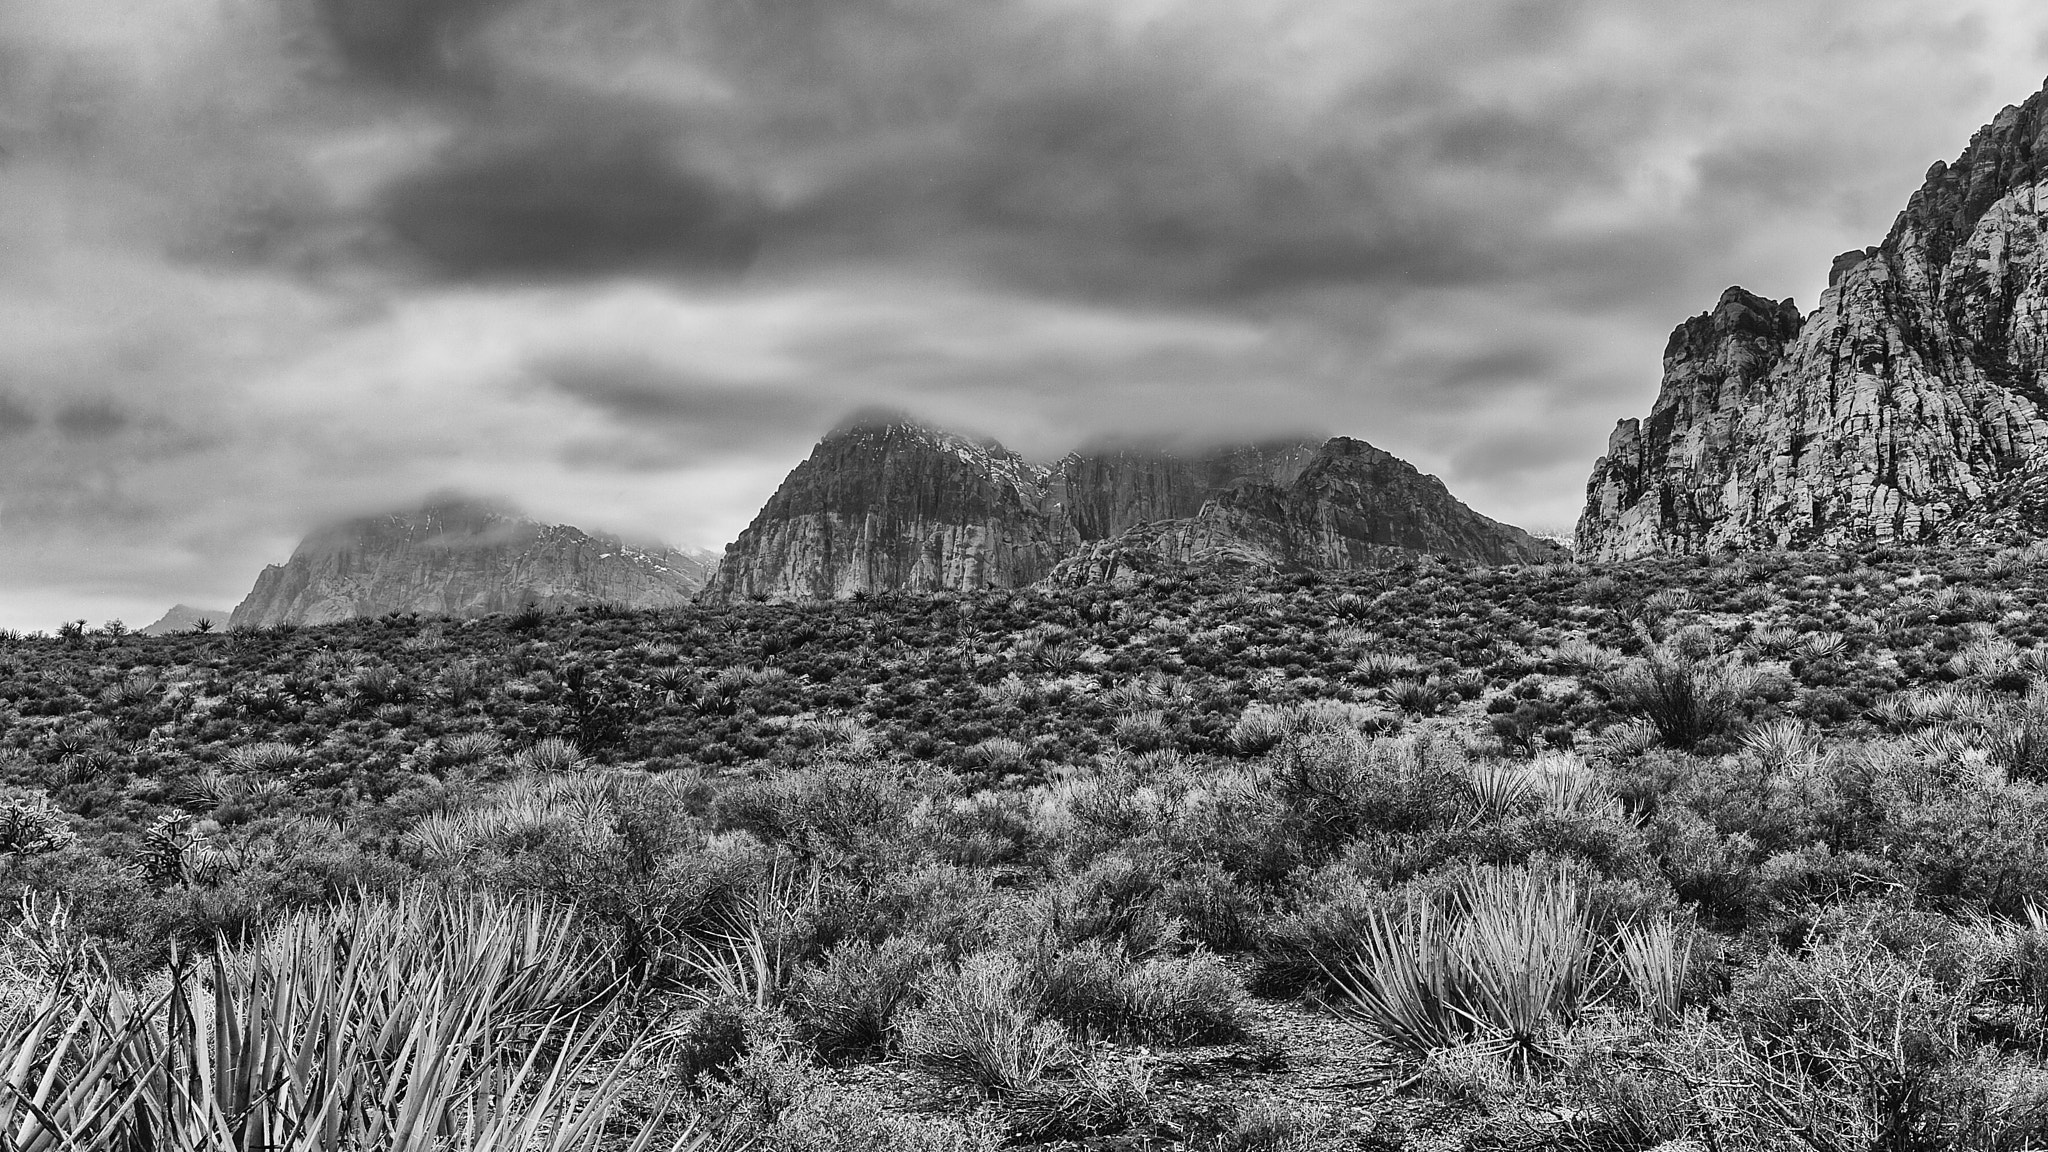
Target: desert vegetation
[{"x": 1742, "y": 854}]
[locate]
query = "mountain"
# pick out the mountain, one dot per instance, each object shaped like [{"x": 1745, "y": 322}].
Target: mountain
[
  {"x": 885, "y": 502},
  {"x": 184, "y": 618},
  {"x": 462, "y": 558},
  {"x": 1911, "y": 405}
]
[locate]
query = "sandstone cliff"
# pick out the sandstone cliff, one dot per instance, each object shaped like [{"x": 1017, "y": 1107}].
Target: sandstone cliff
[
  {"x": 462, "y": 558},
  {"x": 883, "y": 503},
  {"x": 887, "y": 503},
  {"x": 1908, "y": 406}
]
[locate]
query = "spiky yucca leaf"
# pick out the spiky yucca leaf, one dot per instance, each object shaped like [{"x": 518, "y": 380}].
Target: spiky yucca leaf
[
  {"x": 1403, "y": 983},
  {"x": 1653, "y": 958},
  {"x": 70, "y": 1072},
  {"x": 1499, "y": 787},
  {"x": 1528, "y": 954},
  {"x": 1502, "y": 961},
  {"x": 413, "y": 1025}
]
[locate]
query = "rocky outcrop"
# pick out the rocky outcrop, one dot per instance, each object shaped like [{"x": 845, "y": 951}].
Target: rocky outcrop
[
  {"x": 1110, "y": 489},
  {"x": 888, "y": 503},
  {"x": 885, "y": 503},
  {"x": 1211, "y": 543},
  {"x": 462, "y": 558},
  {"x": 184, "y": 618},
  {"x": 1909, "y": 406}
]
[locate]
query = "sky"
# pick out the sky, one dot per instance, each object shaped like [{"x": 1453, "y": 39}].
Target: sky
[{"x": 269, "y": 263}]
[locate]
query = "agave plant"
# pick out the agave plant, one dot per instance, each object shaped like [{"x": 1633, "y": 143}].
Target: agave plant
[
  {"x": 1824, "y": 645},
  {"x": 1774, "y": 641}
]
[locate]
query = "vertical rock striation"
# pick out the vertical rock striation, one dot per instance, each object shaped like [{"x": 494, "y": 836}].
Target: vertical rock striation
[
  {"x": 1908, "y": 406},
  {"x": 884, "y": 503},
  {"x": 887, "y": 503}
]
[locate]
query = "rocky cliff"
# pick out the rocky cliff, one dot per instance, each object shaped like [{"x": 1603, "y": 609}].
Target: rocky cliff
[
  {"x": 462, "y": 558},
  {"x": 886, "y": 503},
  {"x": 883, "y": 503},
  {"x": 1341, "y": 505},
  {"x": 1911, "y": 405}
]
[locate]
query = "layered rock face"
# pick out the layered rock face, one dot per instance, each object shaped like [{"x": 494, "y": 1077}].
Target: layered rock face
[
  {"x": 887, "y": 503},
  {"x": 1909, "y": 406},
  {"x": 462, "y": 558}
]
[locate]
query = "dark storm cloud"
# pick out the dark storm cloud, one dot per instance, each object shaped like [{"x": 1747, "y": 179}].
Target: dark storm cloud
[
  {"x": 994, "y": 141},
  {"x": 1489, "y": 370},
  {"x": 405, "y": 41},
  {"x": 638, "y": 392},
  {"x": 570, "y": 206},
  {"x": 90, "y": 420},
  {"x": 352, "y": 235},
  {"x": 1050, "y": 148},
  {"x": 15, "y": 416}
]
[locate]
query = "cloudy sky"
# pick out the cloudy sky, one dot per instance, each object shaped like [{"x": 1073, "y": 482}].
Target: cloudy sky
[{"x": 264, "y": 263}]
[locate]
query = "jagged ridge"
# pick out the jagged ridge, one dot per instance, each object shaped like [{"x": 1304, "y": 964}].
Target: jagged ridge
[
  {"x": 1900, "y": 409},
  {"x": 888, "y": 503}
]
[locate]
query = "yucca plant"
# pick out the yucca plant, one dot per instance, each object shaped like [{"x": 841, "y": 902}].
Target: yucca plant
[
  {"x": 1499, "y": 787},
  {"x": 467, "y": 748},
  {"x": 1405, "y": 982},
  {"x": 1565, "y": 783},
  {"x": 1782, "y": 744},
  {"x": 75, "y": 1067},
  {"x": 744, "y": 958},
  {"x": 267, "y": 757},
  {"x": 412, "y": 1025},
  {"x": 1653, "y": 958},
  {"x": 1380, "y": 667},
  {"x": 1417, "y": 696},
  {"x": 548, "y": 754},
  {"x": 1502, "y": 961}
]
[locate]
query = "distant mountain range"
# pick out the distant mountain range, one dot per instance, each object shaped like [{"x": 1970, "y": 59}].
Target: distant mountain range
[
  {"x": 462, "y": 557},
  {"x": 886, "y": 502},
  {"x": 1911, "y": 405}
]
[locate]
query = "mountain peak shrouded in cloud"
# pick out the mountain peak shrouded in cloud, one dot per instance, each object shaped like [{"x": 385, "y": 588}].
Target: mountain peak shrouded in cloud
[
  {"x": 265, "y": 265},
  {"x": 893, "y": 503},
  {"x": 462, "y": 556},
  {"x": 879, "y": 418}
]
